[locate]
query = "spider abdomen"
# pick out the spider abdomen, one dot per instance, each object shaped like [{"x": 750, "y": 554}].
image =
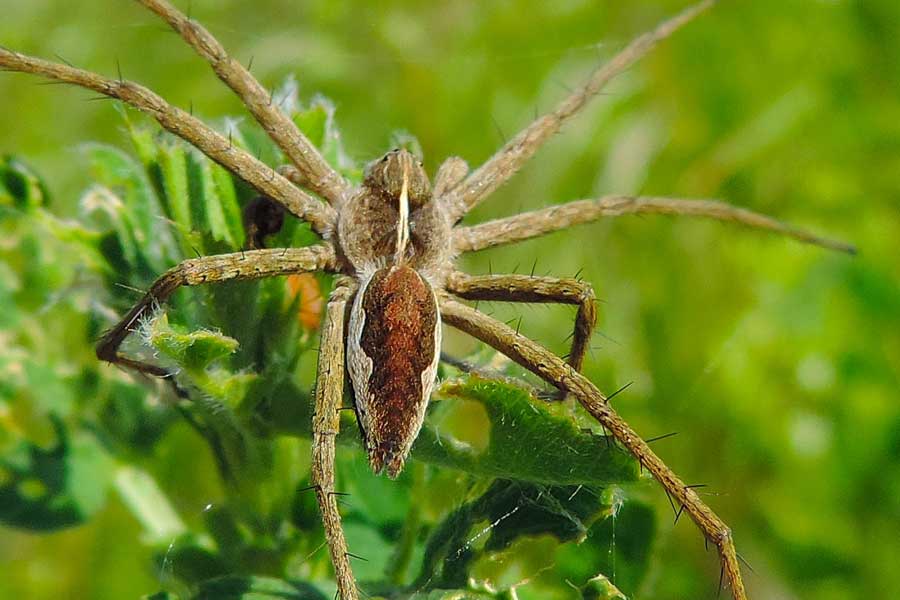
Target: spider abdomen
[{"x": 392, "y": 355}]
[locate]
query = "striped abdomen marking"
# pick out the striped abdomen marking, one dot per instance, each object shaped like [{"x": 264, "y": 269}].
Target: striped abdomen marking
[{"x": 392, "y": 356}]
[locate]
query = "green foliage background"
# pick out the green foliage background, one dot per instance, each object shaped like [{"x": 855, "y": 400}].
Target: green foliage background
[{"x": 778, "y": 364}]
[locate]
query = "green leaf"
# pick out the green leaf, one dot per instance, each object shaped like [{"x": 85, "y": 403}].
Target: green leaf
[
  {"x": 106, "y": 211},
  {"x": 128, "y": 418},
  {"x": 601, "y": 588},
  {"x": 161, "y": 596},
  {"x": 526, "y": 439},
  {"x": 477, "y": 540},
  {"x": 10, "y": 316},
  {"x": 20, "y": 187},
  {"x": 230, "y": 388},
  {"x": 317, "y": 123},
  {"x": 312, "y": 122},
  {"x": 453, "y": 595},
  {"x": 223, "y": 215},
  {"x": 372, "y": 546},
  {"x": 173, "y": 162},
  {"x": 223, "y": 526},
  {"x": 144, "y": 141},
  {"x": 190, "y": 559},
  {"x": 131, "y": 205},
  {"x": 195, "y": 350},
  {"x": 47, "y": 489},
  {"x": 234, "y": 587}
]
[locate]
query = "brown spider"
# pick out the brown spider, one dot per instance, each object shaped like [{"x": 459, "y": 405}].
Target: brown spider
[{"x": 393, "y": 242}]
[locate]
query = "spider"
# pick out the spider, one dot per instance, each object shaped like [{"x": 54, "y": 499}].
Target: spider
[{"x": 392, "y": 242}]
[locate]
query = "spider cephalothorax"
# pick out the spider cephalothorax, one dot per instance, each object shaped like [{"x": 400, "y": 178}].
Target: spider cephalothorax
[
  {"x": 393, "y": 240},
  {"x": 394, "y": 217}
]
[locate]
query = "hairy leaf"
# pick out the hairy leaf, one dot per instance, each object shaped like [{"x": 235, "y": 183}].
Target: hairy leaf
[
  {"x": 527, "y": 439},
  {"x": 195, "y": 350}
]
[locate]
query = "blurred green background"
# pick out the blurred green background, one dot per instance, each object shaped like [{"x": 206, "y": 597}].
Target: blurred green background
[{"x": 778, "y": 364}]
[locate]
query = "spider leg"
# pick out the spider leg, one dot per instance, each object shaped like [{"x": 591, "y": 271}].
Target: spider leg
[
  {"x": 326, "y": 425},
  {"x": 547, "y": 220},
  {"x": 510, "y": 158},
  {"x": 318, "y": 174},
  {"x": 252, "y": 264},
  {"x": 528, "y": 288},
  {"x": 259, "y": 175},
  {"x": 451, "y": 173},
  {"x": 294, "y": 175},
  {"x": 549, "y": 367}
]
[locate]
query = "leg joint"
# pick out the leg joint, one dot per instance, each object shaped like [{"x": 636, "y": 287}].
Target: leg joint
[
  {"x": 587, "y": 293},
  {"x": 722, "y": 536},
  {"x": 106, "y": 352}
]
